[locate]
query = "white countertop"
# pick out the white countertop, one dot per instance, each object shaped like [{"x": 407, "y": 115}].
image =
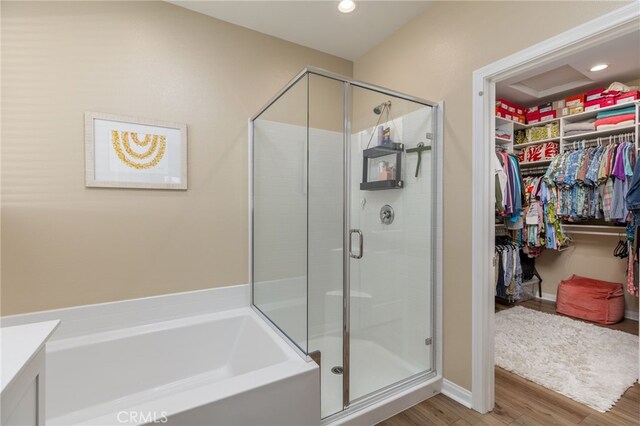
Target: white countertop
[{"x": 19, "y": 344}]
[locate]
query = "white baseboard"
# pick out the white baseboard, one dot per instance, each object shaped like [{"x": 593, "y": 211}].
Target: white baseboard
[
  {"x": 551, "y": 297},
  {"x": 628, "y": 314},
  {"x": 457, "y": 393},
  {"x": 87, "y": 319}
]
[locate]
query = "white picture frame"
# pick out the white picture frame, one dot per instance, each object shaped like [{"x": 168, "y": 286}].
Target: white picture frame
[{"x": 131, "y": 152}]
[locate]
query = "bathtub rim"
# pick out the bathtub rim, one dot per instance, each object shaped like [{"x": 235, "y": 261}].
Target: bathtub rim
[
  {"x": 102, "y": 336},
  {"x": 200, "y": 394},
  {"x": 82, "y": 320}
]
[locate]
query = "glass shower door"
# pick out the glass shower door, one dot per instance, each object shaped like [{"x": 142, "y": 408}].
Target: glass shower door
[
  {"x": 342, "y": 214},
  {"x": 390, "y": 241}
]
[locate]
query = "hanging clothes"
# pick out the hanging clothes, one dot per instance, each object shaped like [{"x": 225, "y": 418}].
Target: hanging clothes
[
  {"x": 510, "y": 199},
  {"x": 500, "y": 183},
  {"x": 542, "y": 227},
  {"x": 633, "y": 230},
  {"x": 591, "y": 183},
  {"x": 508, "y": 270}
]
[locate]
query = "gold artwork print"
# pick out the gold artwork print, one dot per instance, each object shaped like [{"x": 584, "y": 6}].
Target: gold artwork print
[{"x": 138, "y": 160}]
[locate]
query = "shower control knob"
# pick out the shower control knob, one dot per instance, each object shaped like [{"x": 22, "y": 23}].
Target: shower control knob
[{"x": 386, "y": 215}]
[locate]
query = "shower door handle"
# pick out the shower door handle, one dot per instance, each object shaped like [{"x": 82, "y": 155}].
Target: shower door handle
[{"x": 360, "y": 243}]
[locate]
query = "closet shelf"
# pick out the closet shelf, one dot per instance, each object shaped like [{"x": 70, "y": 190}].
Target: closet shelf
[
  {"x": 523, "y": 145},
  {"x": 592, "y": 114},
  {"x": 535, "y": 163},
  {"x": 503, "y": 140},
  {"x": 540, "y": 124},
  {"x": 608, "y": 132},
  {"x": 520, "y": 126},
  {"x": 504, "y": 121}
]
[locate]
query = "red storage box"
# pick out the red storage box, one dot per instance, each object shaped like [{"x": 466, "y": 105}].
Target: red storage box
[
  {"x": 593, "y": 105},
  {"x": 510, "y": 106},
  {"x": 627, "y": 98},
  {"x": 540, "y": 117},
  {"x": 503, "y": 113},
  {"x": 591, "y": 300},
  {"x": 549, "y": 115},
  {"x": 533, "y": 117},
  {"x": 593, "y": 95}
]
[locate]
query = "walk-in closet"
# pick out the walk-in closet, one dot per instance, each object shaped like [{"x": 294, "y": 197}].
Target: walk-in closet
[{"x": 566, "y": 239}]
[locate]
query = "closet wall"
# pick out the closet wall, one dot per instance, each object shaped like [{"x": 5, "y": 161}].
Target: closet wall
[
  {"x": 434, "y": 57},
  {"x": 591, "y": 257}
]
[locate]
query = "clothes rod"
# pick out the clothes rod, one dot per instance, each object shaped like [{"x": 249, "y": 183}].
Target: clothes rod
[
  {"x": 613, "y": 231},
  {"x": 601, "y": 227},
  {"x": 610, "y": 234},
  {"x": 538, "y": 170},
  {"x": 623, "y": 137}
]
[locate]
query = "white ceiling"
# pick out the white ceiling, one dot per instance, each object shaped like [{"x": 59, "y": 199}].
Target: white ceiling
[
  {"x": 316, "y": 24},
  {"x": 541, "y": 85}
]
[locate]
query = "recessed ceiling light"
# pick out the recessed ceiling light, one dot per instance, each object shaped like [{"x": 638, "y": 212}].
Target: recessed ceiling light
[
  {"x": 346, "y": 6},
  {"x": 598, "y": 67}
]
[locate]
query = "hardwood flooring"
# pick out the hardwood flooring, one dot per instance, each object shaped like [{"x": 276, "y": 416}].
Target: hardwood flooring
[{"x": 521, "y": 402}]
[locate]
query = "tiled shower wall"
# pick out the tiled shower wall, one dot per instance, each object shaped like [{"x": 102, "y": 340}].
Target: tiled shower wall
[{"x": 390, "y": 286}]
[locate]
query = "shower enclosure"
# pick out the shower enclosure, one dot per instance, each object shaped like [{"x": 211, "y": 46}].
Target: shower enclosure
[{"x": 345, "y": 235}]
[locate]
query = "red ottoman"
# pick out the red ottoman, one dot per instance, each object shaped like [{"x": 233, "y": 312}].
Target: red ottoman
[{"x": 591, "y": 300}]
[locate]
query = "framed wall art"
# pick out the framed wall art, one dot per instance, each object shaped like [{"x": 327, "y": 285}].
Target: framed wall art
[{"x": 129, "y": 152}]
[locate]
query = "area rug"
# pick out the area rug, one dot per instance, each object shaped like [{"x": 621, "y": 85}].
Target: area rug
[{"x": 589, "y": 364}]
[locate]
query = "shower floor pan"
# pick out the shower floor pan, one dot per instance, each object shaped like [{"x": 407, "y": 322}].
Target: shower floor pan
[{"x": 366, "y": 357}]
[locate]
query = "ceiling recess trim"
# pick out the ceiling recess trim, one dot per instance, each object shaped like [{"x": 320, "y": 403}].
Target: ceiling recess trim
[
  {"x": 557, "y": 80},
  {"x": 552, "y": 91}
]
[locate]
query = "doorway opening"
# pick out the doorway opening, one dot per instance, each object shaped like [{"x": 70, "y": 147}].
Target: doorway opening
[{"x": 488, "y": 81}]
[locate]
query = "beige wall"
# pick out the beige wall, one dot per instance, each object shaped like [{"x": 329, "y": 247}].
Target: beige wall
[
  {"x": 433, "y": 57},
  {"x": 592, "y": 256},
  {"x": 64, "y": 244}
]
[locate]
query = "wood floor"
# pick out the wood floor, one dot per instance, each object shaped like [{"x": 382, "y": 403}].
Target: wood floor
[{"x": 521, "y": 402}]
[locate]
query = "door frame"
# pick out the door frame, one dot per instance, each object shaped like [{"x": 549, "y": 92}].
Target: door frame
[{"x": 607, "y": 27}]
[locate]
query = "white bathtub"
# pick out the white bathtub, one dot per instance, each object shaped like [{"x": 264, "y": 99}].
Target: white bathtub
[{"x": 225, "y": 368}]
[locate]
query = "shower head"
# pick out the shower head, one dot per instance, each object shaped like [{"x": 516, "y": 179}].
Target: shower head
[{"x": 378, "y": 109}]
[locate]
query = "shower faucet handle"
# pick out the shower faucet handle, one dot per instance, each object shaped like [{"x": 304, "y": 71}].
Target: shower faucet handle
[{"x": 386, "y": 215}]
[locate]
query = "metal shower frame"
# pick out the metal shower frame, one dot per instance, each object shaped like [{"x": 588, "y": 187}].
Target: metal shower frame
[{"x": 435, "y": 374}]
